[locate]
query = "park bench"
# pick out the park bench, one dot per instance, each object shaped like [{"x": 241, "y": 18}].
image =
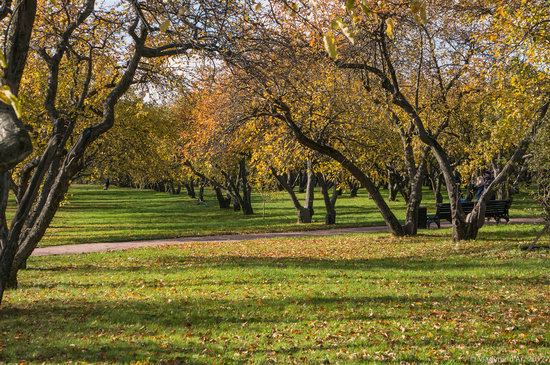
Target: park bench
[{"x": 495, "y": 209}]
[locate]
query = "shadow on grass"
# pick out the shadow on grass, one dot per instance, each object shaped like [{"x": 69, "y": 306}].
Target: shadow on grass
[
  {"x": 128, "y": 330},
  {"x": 171, "y": 264},
  {"x": 107, "y": 309}
]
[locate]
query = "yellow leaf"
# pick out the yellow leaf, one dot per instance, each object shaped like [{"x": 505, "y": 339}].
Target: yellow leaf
[{"x": 390, "y": 24}]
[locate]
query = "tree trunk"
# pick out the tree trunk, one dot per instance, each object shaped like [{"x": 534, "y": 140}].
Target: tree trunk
[
  {"x": 15, "y": 144},
  {"x": 302, "y": 182},
  {"x": 330, "y": 202},
  {"x": 415, "y": 197},
  {"x": 190, "y": 187},
  {"x": 310, "y": 189},
  {"x": 437, "y": 191},
  {"x": 353, "y": 188},
  {"x": 246, "y": 189},
  {"x": 223, "y": 202},
  {"x": 393, "y": 189},
  {"x": 304, "y": 214},
  {"x": 201, "y": 192},
  {"x": 236, "y": 204},
  {"x": 389, "y": 217}
]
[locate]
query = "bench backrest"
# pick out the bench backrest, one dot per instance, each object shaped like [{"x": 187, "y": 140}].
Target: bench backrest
[{"x": 492, "y": 207}]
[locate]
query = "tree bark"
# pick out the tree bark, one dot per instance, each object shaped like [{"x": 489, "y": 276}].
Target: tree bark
[
  {"x": 201, "y": 192},
  {"x": 15, "y": 142},
  {"x": 223, "y": 202},
  {"x": 330, "y": 201},
  {"x": 190, "y": 187},
  {"x": 353, "y": 188},
  {"x": 304, "y": 214},
  {"x": 310, "y": 189},
  {"x": 393, "y": 186},
  {"x": 246, "y": 203}
]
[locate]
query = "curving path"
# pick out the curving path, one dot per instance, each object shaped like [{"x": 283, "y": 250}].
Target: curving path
[{"x": 120, "y": 246}]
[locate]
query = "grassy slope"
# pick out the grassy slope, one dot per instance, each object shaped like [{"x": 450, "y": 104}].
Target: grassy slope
[
  {"x": 94, "y": 215},
  {"x": 341, "y": 299}
]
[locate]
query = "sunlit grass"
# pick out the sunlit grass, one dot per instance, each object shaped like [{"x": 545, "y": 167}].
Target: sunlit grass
[
  {"x": 345, "y": 299},
  {"x": 91, "y": 214}
]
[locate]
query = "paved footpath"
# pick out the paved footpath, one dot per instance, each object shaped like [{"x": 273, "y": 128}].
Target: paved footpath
[{"x": 120, "y": 246}]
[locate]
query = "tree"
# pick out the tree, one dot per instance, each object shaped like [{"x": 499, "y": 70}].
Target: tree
[
  {"x": 452, "y": 50},
  {"x": 98, "y": 42},
  {"x": 215, "y": 145},
  {"x": 308, "y": 95},
  {"x": 17, "y": 21},
  {"x": 540, "y": 167},
  {"x": 15, "y": 142},
  {"x": 141, "y": 150}
]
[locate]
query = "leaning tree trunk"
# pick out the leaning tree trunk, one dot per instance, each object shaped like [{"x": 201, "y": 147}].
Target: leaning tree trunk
[
  {"x": 57, "y": 167},
  {"x": 391, "y": 85},
  {"x": 389, "y": 217}
]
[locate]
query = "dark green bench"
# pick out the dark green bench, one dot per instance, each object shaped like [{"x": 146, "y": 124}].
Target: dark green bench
[{"x": 495, "y": 209}]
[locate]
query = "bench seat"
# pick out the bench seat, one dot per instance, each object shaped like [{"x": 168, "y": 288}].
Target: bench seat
[{"x": 495, "y": 209}]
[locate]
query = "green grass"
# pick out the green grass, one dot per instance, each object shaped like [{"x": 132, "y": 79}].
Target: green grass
[
  {"x": 343, "y": 299},
  {"x": 91, "y": 214}
]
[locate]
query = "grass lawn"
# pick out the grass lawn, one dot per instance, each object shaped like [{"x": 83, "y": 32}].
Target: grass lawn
[
  {"x": 91, "y": 214},
  {"x": 345, "y": 299}
]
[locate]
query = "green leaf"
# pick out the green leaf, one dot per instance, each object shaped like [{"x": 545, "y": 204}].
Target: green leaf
[
  {"x": 183, "y": 11},
  {"x": 338, "y": 24},
  {"x": 365, "y": 8},
  {"x": 3, "y": 61},
  {"x": 350, "y": 4},
  {"x": 7, "y": 97},
  {"x": 164, "y": 26},
  {"x": 330, "y": 45},
  {"x": 418, "y": 9}
]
